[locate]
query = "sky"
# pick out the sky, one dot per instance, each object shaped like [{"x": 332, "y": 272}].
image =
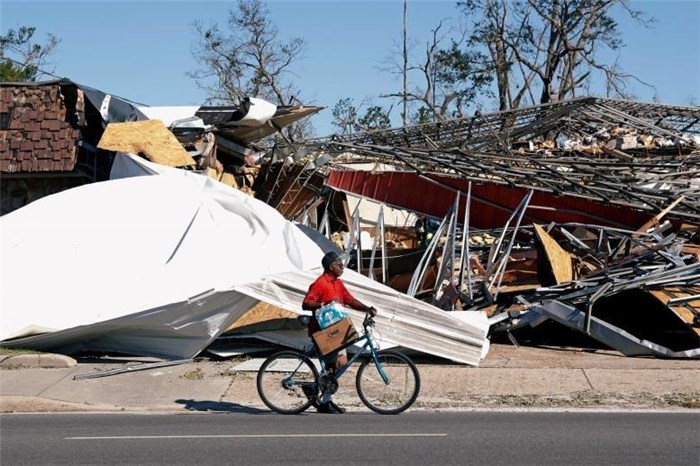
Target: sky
[{"x": 142, "y": 50}]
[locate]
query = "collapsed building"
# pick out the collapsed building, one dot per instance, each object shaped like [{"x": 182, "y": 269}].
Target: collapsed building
[
  {"x": 50, "y": 131},
  {"x": 582, "y": 212},
  {"x": 126, "y": 257},
  {"x": 585, "y": 212},
  {"x": 53, "y": 137}
]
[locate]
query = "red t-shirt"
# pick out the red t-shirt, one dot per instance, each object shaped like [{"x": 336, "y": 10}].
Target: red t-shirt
[{"x": 325, "y": 289}]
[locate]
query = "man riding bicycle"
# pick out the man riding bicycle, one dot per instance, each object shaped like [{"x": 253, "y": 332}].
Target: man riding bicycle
[{"x": 328, "y": 288}]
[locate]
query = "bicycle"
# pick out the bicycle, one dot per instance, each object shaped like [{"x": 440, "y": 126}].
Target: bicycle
[{"x": 387, "y": 382}]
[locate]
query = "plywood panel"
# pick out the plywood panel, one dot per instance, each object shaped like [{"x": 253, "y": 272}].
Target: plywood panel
[
  {"x": 687, "y": 310},
  {"x": 559, "y": 259},
  {"x": 150, "y": 138}
]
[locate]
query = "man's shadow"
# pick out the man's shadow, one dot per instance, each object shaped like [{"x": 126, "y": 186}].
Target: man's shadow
[{"x": 220, "y": 406}]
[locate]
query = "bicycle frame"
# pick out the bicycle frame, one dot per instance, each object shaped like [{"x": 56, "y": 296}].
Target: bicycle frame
[
  {"x": 368, "y": 344},
  {"x": 312, "y": 384}
]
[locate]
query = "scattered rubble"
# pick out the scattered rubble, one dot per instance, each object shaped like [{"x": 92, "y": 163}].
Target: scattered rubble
[{"x": 585, "y": 212}]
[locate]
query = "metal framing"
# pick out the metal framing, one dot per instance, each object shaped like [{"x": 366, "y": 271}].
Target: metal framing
[{"x": 576, "y": 117}]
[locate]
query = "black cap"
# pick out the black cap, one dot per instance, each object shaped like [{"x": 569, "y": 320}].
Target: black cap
[{"x": 329, "y": 258}]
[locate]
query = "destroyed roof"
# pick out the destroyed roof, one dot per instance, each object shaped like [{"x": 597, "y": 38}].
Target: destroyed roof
[
  {"x": 176, "y": 300},
  {"x": 112, "y": 108},
  {"x": 575, "y": 118},
  {"x": 38, "y": 132},
  {"x": 43, "y": 122},
  {"x": 606, "y": 151}
]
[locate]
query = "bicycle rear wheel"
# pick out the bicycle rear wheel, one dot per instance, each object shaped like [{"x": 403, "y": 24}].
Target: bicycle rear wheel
[
  {"x": 282, "y": 379},
  {"x": 401, "y": 390}
]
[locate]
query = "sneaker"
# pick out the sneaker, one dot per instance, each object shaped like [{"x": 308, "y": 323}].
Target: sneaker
[
  {"x": 340, "y": 409},
  {"x": 328, "y": 408},
  {"x": 310, "y": 393}
]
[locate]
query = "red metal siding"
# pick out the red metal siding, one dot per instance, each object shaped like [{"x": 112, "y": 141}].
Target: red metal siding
[{"x": 491, "y": 206}]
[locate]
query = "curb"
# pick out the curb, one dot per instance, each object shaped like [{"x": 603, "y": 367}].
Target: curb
[
  {"x": 36, "y": 361},
  {"x": 37, "y": 405}
]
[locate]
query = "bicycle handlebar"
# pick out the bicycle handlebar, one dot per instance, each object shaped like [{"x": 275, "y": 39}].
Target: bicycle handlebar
[{"x": 368, "y": 322}]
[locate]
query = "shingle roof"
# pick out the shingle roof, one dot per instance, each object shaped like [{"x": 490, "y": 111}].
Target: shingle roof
[{"x": 37, "y": 134}]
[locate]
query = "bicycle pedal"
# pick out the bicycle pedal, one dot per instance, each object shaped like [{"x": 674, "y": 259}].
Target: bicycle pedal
[{"x": 311, "y": 391}]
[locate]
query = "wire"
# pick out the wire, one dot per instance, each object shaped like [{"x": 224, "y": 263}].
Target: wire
[
  {"x": 81, "y": 85},
  {"x": 26, "y": 65}
]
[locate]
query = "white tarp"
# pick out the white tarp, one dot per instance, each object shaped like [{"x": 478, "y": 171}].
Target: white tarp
[
  {"x": 137, "y": 245},
  {"x": 162, "y": 265},
  {"x": 168, "y": 115},
  {"x": 369, "y": 212},
  {"x": 259, "y": 112}
]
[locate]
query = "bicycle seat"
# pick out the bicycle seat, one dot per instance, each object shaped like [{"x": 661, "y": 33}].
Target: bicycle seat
[{"x": 304, "y": 320}]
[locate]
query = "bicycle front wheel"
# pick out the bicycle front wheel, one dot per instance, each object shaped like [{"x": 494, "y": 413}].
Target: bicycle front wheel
[
  {"x": 398, "y": 393},
  {"x": 282, "y": 379}
]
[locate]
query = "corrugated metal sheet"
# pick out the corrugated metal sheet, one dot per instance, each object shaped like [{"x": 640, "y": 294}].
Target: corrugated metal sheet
[
  {"x": 402, "y": 320},
  {"x": 174, "y": 331},
  {"x": 283, "y": 117}
]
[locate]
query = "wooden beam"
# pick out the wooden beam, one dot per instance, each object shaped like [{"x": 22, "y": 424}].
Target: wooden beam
[{"x": 655, "y": 220}]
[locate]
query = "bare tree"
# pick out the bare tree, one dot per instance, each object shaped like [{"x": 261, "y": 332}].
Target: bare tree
[
  {"x": 247, "y": 59},
  {"x": 548, "y": 50},
  {"x": 446, "y": 82},
  {"x": 21, "y": 58},
  {"x": 492, "y": 31}
]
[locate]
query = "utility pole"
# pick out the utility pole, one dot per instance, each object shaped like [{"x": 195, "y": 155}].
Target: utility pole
[{"x": 404, "y": 115}]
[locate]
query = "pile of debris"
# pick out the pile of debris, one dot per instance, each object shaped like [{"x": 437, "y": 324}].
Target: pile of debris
[
  {"x": 583, "y": 212},
  {"x": 637, "y": 292},
  {"x": 585, "y": 121},
  {"x": 219, "y": 142},
  {"x": 580, "y": 176}
]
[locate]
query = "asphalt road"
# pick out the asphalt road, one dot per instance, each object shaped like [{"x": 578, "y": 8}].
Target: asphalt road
[{"x": 421, "y": 438}]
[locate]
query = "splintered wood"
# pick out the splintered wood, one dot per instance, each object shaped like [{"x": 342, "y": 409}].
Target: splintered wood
[
  {"x": 263, "y": 313},
  {"x": 559, "y": 259}
]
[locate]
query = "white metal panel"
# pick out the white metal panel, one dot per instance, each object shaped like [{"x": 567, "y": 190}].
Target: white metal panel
[{"x": 402, "y": 320}]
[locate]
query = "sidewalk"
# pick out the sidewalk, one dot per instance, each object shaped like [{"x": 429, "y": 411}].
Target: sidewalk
[{"x": 510, "y": 377}]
